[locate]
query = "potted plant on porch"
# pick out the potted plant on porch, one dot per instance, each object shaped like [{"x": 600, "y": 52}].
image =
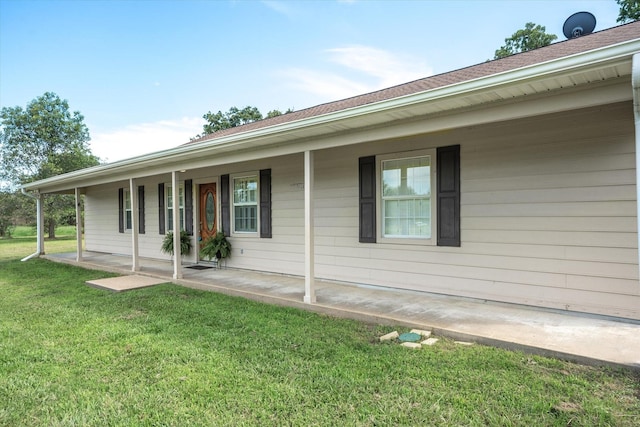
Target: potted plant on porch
[
  {"x": 216, "y": 246},
  {"x": 185, "y": 243}
]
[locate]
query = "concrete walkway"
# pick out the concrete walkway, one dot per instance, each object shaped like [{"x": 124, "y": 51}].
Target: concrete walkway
[
  {"x": 577, "y": 337},
  {"x": 125, "y": 283}
]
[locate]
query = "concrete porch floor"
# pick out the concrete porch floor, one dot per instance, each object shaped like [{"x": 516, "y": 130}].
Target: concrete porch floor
[{"x": 578, "y": 337}]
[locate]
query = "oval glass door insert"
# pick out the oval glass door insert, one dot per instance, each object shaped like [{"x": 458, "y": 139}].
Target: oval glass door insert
[{"x": 210, "y": 212}]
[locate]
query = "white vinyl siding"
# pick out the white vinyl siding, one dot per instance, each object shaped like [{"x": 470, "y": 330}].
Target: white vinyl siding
[
  {"x": 548, "y": 211},
  {"x": 101, "y": 218},
  {"x": 284, "y": 252}
]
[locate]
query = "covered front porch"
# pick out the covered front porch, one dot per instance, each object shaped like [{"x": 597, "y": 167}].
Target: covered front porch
[
  {"x": 582, "y": 338},
  {"x": 131, "y": 216}
]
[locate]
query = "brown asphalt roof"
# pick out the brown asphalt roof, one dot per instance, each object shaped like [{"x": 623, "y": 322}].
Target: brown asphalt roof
[{"x": 562, "y": 49}]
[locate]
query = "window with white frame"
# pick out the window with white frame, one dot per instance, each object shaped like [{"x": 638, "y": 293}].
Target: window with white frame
[
  {"x": 245, "y": 204},
  {"x": 407, "y": 207},
  {"x": 127, "y": 210},
  {"x": 169, "y": 206}
]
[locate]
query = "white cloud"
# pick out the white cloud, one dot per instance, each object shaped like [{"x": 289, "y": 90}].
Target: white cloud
[
  {"x": 374, "y": 69},
  {"x": 388, "y": 68},
  {"x": 144, "y": 138},
  {"x": 326, "y": 85}
]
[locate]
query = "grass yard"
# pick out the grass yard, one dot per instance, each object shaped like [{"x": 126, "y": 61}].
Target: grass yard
[
  {"x": 73, "y": 355},
  {"x": 65, "y": 231},
  {"x": 23, "y": 243}
]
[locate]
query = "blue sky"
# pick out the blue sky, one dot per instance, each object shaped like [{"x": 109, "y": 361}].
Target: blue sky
[{"x": 144, "y": 72}]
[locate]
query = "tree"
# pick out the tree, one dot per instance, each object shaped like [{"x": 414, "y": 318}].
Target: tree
[
  {"x": 234, "y": 117},
  {"x": 532, "y": 36},
  {"x": 276, "y": 113},
  {"x": 15, "y": 209},
  {"x": 629, "y": 10},
  {"x": 41, "y": 141}
]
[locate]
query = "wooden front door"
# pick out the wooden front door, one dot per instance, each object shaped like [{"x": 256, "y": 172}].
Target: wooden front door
[{"x": 208, "y": 211}]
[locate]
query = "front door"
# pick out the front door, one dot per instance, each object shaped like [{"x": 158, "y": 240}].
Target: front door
[{"x": 208, "y": 210}]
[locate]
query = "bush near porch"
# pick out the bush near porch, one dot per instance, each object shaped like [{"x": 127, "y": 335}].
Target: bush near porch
[{"x": 167, "y": 355}]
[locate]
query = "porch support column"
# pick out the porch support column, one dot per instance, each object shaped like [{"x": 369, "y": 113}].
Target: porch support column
[
  {"x": 40, "y": 223},
  {"x": 133, "y": 195},
  {"x": 177, "y": 255},
  {"x": 309, "y": 246},
  {"x": 78, "y": 225},
  {"x": 635, "y": 83}
]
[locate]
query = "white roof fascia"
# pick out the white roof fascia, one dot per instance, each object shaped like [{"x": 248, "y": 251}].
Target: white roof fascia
[{"x": 565, "y": 64}]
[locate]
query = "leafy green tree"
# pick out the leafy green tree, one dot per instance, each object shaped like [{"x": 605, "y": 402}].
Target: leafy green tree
[
  {"x": 532, "y": 36},
  {"x": 234, "y": 117},
  {"x": 41, "y": 141},
  {"x": 15, "y": 209},
  {"x": 276, "y": 113},
  {"x": 629, "y": 10}
]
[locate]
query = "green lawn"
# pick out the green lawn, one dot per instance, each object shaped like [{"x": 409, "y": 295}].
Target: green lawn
[
  {"x": 26, "y": 231},
  {"x": 23, "y": 243},
  {"x": 73, "y": 355}
]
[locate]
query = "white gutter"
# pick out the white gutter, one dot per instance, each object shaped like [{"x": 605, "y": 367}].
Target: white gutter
[
  {"x": 40, "y": 247},
  {"x": 515, "y": 76},
  {"x": 635, "y": 84}
]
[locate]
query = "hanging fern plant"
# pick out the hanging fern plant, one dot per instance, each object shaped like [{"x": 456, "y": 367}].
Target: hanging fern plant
[{"x": 185, "y": 243}]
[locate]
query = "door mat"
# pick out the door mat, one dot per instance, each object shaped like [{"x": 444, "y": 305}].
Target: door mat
[
  {"x": 125, "y": 283},
  {"x": 199, "y": 267}
]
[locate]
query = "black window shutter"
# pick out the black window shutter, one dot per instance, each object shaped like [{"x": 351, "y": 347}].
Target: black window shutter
[
  {"x": 121, "y": 210},
  {"x": 448, "y": 195},
  {"x": 225, "y": 206},
  {"x": 265, "y": 203},
  {"x": 188, "y": 206},
  {"x": 367, "y": 180},
  {"x": 141, "y": 209},
  {"x": 161, "y": 211}
]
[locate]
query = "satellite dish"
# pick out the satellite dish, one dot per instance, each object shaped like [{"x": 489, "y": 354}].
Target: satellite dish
[{"x": 579, "y": 24}]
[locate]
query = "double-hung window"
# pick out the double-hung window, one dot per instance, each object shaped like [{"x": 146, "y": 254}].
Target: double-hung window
[
  {"x": 407, "y": 207},
  {"x": 411, "y": 197},
  {"x": 169, "y": 205},
  {"x": 127, "y": 210},
  {"x": 245, "y": 204},
  {"x": 125, "y": 213}
]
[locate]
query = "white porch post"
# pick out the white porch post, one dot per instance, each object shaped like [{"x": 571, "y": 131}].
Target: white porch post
[
  {"x": 309, "y": 246},
  {"x": 177, "y": 255},
  {"x": 40, "y": 223},
  {"x": 635, "y": 83},
  {"x": 133, "y": 195},
  {"x": 78, "y": 225}
]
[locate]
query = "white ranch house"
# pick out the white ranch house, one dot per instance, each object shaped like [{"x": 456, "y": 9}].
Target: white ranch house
[{"x": 514, "y": 180}]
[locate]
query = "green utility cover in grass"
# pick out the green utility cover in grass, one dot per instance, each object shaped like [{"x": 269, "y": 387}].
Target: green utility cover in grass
[{"x": 409, "y": 337}]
